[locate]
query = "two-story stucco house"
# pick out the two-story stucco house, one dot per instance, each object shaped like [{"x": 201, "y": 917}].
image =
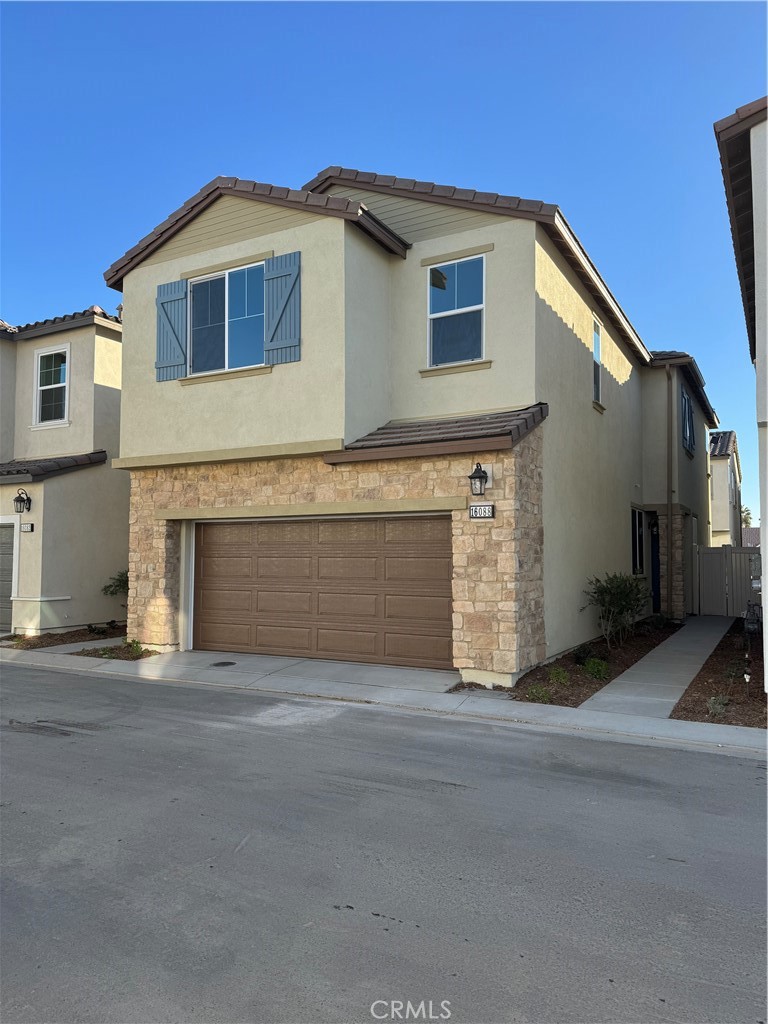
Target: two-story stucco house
[
  {"x": 725, "y": 488},
  {"x": 311, "y": 376},
  {"x": 59, "y": 427}
]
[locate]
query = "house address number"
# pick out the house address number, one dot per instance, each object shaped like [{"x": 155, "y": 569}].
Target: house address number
[
  {"x": 482, "y": 511},
  {"x": 27, "y": 527}
]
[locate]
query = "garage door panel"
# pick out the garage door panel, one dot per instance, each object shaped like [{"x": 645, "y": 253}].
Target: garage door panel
[
  {"x": 331, "y": 605},
  {"x": 417, "y": 569},
  {"x": 285, "y": 568},
  {"x": 292, "y": 638},
  {"x": 220, "y": 567},
  {"x": 415, "y": 608},
  {"x": 226, "y": 600},
  {"x": 348, "y": 643},
  {"x": 347, "y": 568},
  {"x": 413, "y": 648},
  {"x": 375, "y": 590},
  {"x": 224, "y": 635},
  {"x": 293, "y": 602}
]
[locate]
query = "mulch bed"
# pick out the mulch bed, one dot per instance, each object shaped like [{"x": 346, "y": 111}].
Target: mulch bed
[
  {"x": 581, "y": 685},
  {"x": 74, "y": 636},
  {"x": 722, "y": 675},
  {"x": 123, "y": 652}
]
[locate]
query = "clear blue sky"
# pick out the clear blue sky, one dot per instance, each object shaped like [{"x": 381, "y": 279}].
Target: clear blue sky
[{"x": 114, "y": 114}]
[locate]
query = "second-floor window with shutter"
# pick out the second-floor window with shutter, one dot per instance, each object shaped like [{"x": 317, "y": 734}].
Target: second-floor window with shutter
[{"x": 227, "y": 320}]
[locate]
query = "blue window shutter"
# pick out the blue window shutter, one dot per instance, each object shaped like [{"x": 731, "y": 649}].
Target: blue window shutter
[
  {"x": 282, "y": 309},
  {"x": 171, "y": 302}
]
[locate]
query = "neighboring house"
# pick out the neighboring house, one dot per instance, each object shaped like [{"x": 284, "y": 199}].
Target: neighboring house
[
  {"x": 311, "y": 376},
  {"x": 750, "y": 536},
  {"x": 59, "y": 426},
  {"x": 742, "y": 139},
  {"x": 725, "y": 488},
  {"x": 675, "y": 477}
]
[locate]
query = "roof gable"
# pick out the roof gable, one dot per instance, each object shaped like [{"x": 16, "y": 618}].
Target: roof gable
[{"x": 297, "y": 199}]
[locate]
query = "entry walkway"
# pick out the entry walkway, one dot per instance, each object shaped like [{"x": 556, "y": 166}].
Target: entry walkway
[{"x": 653, "y": 685}]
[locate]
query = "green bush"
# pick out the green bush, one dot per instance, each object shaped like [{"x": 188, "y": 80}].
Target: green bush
[
  {"x": 717, "y": 705},
  {"x": 117, "y": 585},
  {"x": 559, "y": 675},
  {"x": 134, "y": 648},
  {"x": 539, "y": 694},
  {"x": 583, "y": 653},
  {"x": 620, "y": 600},
  {"x": 596, "y": 667}
]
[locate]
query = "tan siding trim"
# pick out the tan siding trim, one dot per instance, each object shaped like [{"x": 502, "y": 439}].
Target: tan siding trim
[
  {"x": 473, "y": 250},
  {"x": 241, "y": 261},
  {"x": 265, "y": 451},
  {"x": 441, "y": 371},
  {"x": 323, "y": 508}
]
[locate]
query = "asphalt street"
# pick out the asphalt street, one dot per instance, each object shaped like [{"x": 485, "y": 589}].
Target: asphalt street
[{"x": 181, "y": 854}]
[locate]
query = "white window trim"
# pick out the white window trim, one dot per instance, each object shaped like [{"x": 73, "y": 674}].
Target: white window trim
[
  {"x": 597, "y": 323},
  {"x": 212, "y": 277},
  {"x": 66, "y": 348},
  {"x": 454, "y": 312}
]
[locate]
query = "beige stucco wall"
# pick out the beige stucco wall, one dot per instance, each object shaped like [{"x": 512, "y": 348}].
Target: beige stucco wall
[
  {"x": 7, "y": 400},
  {"x": 297, "y": 401},
  {"x": 691, "y": 487},
  {"x": 107, "y": 377},
  {"x": 759, "y": 148},
  {"x": 76, "y": 436},
  {"x": 367, "y": 335},
  {"x": 508, "y": 326},
  {"x": 80, "y": 540},
  {"x": 726, "y": 515},
  {"x": 593, "y": 467}
]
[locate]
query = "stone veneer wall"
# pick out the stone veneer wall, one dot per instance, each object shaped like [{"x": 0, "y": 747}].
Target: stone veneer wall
[
  {"x": 677, "y": 611},
  {"x": 498, "y": 590}
]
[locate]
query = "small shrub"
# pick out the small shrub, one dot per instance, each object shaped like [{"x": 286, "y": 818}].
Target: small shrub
[
  {"x": 620, "y": 600},
  {"x": 559, "y": 675},
  {"x": 596, "y": 667},
  {"x": 134, "y": 648},
  {"x": 583, "y": 653},
  {"x": 539, "y": 694},
  {"x": 717, "y": 705},
  {"x": 106, "y": 652},
  {"x": 117, "y": 585}
]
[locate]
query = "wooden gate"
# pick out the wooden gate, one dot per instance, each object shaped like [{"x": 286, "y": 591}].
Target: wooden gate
[{"x": 729, "y": 578}]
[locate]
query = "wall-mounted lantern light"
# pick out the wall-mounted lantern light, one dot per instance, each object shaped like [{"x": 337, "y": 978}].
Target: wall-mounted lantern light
[
  {"x": 22, "y": 502},
  {"x": 478, "y": 478}
]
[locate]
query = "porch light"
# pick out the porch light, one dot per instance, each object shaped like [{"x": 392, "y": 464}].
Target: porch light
[
  {"x": 22, "y": 502},
  {"x": 478, "y": 478}
]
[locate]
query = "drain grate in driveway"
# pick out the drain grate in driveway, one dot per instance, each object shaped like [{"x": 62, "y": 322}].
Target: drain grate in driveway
[{"x": 221, "y": 664}]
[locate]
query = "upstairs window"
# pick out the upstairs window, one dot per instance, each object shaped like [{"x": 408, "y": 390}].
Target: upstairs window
[
  {"x": 638, "y": 543},
  {"x": 689, "y": 437},
  {"x": 597, "y": 390},
  {"x": 51, "y": 390},
  {"x": 227, "y": 320},
  {"x": 456, "y": 300}
]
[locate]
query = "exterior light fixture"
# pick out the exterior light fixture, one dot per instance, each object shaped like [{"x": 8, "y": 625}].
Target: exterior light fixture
[
  {"x": 478, "y": 478},
  {"x": 22, "y": 502}
]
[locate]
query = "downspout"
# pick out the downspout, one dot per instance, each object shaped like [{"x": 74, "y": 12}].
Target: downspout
[{"x": 670, "y": 423}]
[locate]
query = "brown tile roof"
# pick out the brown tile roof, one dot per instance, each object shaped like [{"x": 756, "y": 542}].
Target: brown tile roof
[
  {"x": 429, "y": 189},
  {"x": 733, "y": 142},
  {"x": 34, "y": 470},
  {"x": 722, "y": 443},
  {"x": 693, "y": 376},
  {"x": 750, "y": 536},
  {"x": 58, "y": 323},
  {"x": 334, "y": 206},
  {"x": 515, "y": 423}
]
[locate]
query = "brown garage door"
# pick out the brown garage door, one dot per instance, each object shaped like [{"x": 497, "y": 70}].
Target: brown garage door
[{"x": 373, "y": 590}]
